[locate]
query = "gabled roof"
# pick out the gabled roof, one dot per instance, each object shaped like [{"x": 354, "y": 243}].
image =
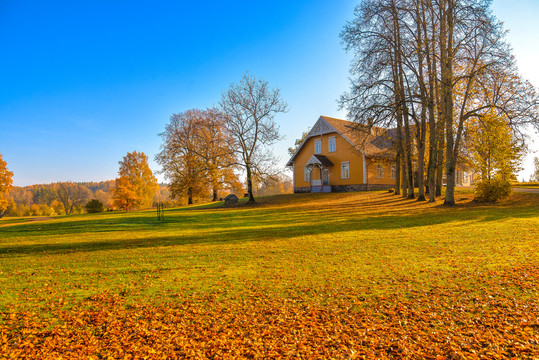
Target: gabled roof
[{"x": 376, "y": 142}]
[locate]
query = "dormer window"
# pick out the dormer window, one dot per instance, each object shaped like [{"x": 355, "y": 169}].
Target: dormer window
[{"x": 318, "y": 146}]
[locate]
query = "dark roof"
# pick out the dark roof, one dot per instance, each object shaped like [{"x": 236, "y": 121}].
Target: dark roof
[
  {"x": 374, "y": 142},
  {"x": 323, "y": 160}
]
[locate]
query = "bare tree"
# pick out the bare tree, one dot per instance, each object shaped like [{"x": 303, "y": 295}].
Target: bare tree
[
  {"x": 445, "y": 61},
  {"x": 250, "y": 106}
]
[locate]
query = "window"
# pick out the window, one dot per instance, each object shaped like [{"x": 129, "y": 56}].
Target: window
[
  {"x": 318, "y": 146},
  {"x": 332, "y": 144},
  {"x": 345, "y": 170},
  {"x": 393, "y": 171},
  {"x": 379, "y": 171},
  {"x": 307, "y": 174}
]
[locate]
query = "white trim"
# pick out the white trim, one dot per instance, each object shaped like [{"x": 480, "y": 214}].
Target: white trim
[
  {"x": 305, "y": 170},
  {"x": 322, "y": 126},
  {"x": 364, "y": 169},
  {"x": 294, "y": 174},
  {"x": 313, "y": 160}
]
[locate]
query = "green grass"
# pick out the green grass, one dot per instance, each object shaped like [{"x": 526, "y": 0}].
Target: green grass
[{"x": 293, "y": 245}]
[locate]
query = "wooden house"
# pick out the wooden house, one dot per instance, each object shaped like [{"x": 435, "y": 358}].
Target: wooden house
[{"x": 339, "y": 155}]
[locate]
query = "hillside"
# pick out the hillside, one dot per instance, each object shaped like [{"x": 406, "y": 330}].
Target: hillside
[{"x": 331, "y": 275}]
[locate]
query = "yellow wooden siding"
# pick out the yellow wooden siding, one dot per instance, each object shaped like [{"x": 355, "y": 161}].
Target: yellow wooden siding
[
  {"x": 344, "y": 152},
  {"x": 386, "y": 172}
]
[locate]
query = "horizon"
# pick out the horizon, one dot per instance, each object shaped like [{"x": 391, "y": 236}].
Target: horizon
[{"x": 87, "y": 83}]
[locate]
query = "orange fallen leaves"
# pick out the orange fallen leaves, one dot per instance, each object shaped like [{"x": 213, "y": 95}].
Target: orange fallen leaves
[{"x": 443, "y": 323}]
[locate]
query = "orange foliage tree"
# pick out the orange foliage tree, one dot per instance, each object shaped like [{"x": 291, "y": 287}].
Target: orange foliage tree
[
  {"x": 197, "y": 155},
  {"x": 5, "y": 183},
  {"x": 136, "y": 185}
]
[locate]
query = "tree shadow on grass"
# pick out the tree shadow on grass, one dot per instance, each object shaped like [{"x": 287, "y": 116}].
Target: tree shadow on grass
[{"x": 226, "y": 227}]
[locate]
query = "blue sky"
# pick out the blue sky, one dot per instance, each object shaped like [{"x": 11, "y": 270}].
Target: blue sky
[{"x": 83, "y": 83}]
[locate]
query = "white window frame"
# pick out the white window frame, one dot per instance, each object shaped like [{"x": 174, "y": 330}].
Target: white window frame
[
  {"x": 318, "y": 146},
  {"x": 393, "y": 171},
  {"x": 379, "y": 171},
  {"x": 332, "y": 141},
  {"x": 306, "y": 174},
  {"x": 345, "y": 170}
]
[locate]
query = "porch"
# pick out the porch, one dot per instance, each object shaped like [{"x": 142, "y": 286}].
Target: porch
[{"x": 318, "y": 168}]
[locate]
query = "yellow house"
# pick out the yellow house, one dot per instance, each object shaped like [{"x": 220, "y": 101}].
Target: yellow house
[{"x": 339, "y": 155}]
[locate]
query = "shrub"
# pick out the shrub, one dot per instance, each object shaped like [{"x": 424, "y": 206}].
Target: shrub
[
  {"x": 492, "y": 190},
  {"x": 94, "y": 206}
]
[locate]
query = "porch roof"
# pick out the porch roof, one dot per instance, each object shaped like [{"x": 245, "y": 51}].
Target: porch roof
[{"x": 319, "y": 160}]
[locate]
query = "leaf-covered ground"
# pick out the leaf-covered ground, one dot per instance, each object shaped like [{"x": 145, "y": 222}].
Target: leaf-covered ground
[{"x": 365, "y": 275}]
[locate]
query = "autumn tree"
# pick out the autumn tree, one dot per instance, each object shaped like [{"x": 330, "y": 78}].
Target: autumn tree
[
  {"x": 249, "y": 107},
  {"x": 495, "y": 153},
  {"x": 292, "y": 150},
  {"x": 432, "y": 66},
  {"x": 136, "y": 184},
  {"x": 5, "y": 183},
  {"x": 71, "y": 195},
  {"x": 196, "y": 154},
  {"x": 178, "y": 157},
  {"x": 215, "y": 150}
]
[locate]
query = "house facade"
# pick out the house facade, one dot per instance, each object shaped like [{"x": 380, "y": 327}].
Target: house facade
[{"x": 338, "y": 156}]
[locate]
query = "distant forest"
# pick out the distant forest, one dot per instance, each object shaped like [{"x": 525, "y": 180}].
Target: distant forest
[
  {"x": 73, "y": 198},
  {"x": 65, "y": 198}
]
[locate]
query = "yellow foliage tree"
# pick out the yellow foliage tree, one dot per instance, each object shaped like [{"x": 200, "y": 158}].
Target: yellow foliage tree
[
  {"x": 5, "y": 184},
  {"x": 495, "y": 153},
  {"x": 136, "y": 185}
]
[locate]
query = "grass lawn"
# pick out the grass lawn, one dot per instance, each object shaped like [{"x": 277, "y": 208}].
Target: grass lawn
[{"x": 322, "y": 275}]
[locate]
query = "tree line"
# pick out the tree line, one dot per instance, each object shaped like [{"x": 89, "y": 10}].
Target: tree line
[{"x": 442, "y": 73}]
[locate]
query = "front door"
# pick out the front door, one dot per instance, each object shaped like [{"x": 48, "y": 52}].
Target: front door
[{"x": 325, "y": 176}]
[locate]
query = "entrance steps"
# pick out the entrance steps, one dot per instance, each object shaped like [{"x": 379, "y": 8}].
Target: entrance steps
[{"x": 317, "y": 189}]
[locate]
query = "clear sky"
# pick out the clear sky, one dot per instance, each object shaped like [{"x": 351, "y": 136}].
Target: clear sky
[{"x": 83, "y": 83}]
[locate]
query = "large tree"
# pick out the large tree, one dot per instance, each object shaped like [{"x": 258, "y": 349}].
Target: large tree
[
  {"x": 71, "y": 195},
  {"x": 250, "y": 106},
  {"x": 136, "y": 185},
  {"x": 196, "y": 154},
  {"x": 440, "y": 64},
  {"x": 5, "y": 183}
]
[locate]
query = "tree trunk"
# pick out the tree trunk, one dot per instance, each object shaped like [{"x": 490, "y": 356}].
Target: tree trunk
[
  {"x": 446, "y": 60},
  {"x": 433, "y": 154},
  {"x": 398, "y": 173},
  {"x": 190, "y": 196},
  {"x": 214, "y": 194},
  {"x": 250, "y": 185},
  {"x": 440, "y": 157}
]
